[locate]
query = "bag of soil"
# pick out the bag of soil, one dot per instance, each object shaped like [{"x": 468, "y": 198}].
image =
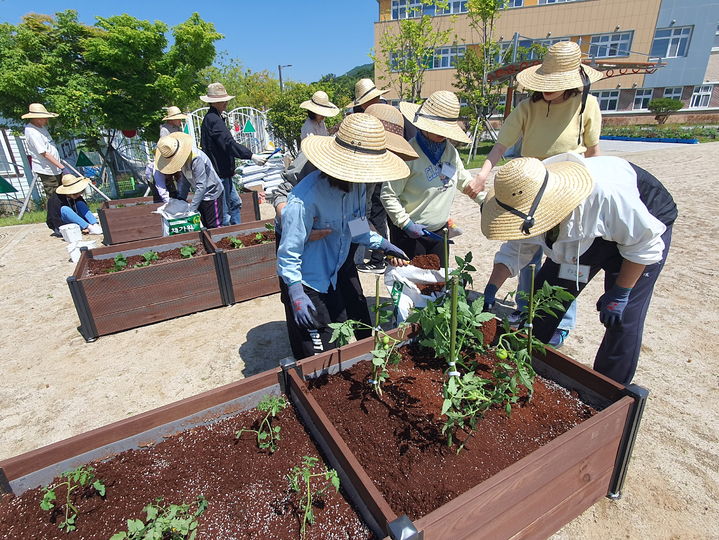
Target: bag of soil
[{"x": 414, "y": 285}]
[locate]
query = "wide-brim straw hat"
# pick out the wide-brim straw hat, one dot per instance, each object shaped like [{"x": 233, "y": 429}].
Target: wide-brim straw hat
[
  {"x": 172, "y": 151},
  {"x": 365, "y": 90},
  {"x": 393, "y": 123},
  {"x": 174, "y": 113},
  {"x": 357, "y": 153},
  {"x": 72, "y": 184},
  {"x": 320, "y": 104},
  {"x": 439, "y": 114},
  {"x": 559, "y": 70},
  {"x": 38, "y": 110},
  {"x": 517, "y": 184},
  {"x": 216, "y": 93}
]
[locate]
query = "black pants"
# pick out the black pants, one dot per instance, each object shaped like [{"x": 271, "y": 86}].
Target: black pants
[
  {"x": 211, "y": 213},
  {"x": 618, "y": 354},
  {"x": 346, "y": 301},
  {"x": 377, "y": 216},
  {"x": 417, "y": 246}
]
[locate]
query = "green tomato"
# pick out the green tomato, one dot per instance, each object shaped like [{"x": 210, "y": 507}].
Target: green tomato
[
  {"x": 385, "y": 339},
  {"x": 386, "y": 346},
  {"x": 501, "y": 354}
]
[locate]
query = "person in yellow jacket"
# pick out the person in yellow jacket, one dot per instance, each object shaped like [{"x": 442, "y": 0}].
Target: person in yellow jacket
[
  {"x": 418, "y": 207},
  {"x": 560, "y": 116}
]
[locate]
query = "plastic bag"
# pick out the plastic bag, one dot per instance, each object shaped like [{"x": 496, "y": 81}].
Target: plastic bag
[
  {"x": 403, "y": 285},
  {"x": 174, "y": 209}
]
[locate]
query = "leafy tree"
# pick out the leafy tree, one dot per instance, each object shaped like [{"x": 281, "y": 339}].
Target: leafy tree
[
  {"x": 663, "y": 107},
  {"x": 406, "y": 49}
]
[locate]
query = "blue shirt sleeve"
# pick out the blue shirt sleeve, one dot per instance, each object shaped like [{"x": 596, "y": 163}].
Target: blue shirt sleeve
[{"x": 296, "y": 228}]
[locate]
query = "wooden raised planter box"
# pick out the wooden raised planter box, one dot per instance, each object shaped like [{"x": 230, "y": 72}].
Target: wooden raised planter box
[
  {"x": 135, "y": 297},
  {"x": 530, "y": 499},
  {"x": 251, "y": 270},
  {"x": 128, "y": 220}
]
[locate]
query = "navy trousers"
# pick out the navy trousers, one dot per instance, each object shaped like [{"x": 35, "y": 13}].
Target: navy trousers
[{"x": 619, "y": 352}]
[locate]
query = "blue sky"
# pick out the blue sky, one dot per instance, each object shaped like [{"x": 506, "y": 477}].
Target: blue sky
[{"x": 316, "y": 37}]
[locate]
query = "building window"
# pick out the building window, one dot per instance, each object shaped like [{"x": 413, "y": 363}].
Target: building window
[
  {"x": 453, "y": 7},
  {"x": 509, "y": 4},
  {"x": 406, "y": 9},
  {"x": 5, "y": 166},
  {"x": 701, "y": 96},
  {"x": 642, "y": 97},
  {"x": 446, "y": 57},
  {"x": 610, "y": 45},
  {"x": 671, "y": 42},
  {"x": 674, "y": 92},
  {"x": 715, "y": 48},
  {"x": 608, "y": 99},
  {"x": 545, "y": 2}
]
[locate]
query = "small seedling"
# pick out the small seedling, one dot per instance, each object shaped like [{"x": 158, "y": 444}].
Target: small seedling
[
  {"x": 188, "y": 251},
  {"x": 120, "y": 262},
  {"x": 80, "y": 477},
  {"x": 260, "y": 237},
  {"x": 267, "y": 435},
  {"x": 148, "y": 257},
  {"x": 174, "y": 522},
  {"x": 270, "y": 227},
  {"x": 236, "y": 242},
  {"x": 300, "y": 479}
]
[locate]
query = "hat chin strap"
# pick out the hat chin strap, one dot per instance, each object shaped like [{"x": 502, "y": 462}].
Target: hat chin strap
[
  {"x": 528, "y": 222},
  {"x": 585, "y": 92}
]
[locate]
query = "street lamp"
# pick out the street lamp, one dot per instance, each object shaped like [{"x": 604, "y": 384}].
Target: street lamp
[{"x": 279, "y": 69}]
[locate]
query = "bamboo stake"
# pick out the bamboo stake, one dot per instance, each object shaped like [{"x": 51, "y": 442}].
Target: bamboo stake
[
  {"x": 453, "y": 326},
  {"x": 530, "y": 311}
]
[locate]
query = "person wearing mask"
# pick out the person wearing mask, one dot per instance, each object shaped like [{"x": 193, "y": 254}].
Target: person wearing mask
[
  {"x": 45, "y": 159},
  {"x": 332, "y": 197},
  {"x": 222, "y": 149},
  {"x": 418, "y": 206},
  {"x": 586, "y": 215},
  {"x": 66, "y": 206},
  {"x": 177, "y": 156},
  {"x": 559, "y": 116},
  {"x": 172, "y": 121},
  {"x": 318, "y": 108}
]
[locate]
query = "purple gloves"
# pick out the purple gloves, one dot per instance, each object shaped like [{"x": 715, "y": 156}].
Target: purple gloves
[
  {"x": 301, "y": 306},
  {"x": 611, "y": 306},
  {"x": 414, "y": 230},
  {"x": 391, "y": 250}
]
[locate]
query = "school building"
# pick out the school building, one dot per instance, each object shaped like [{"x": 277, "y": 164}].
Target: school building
[{"x": 681, "y": 34}]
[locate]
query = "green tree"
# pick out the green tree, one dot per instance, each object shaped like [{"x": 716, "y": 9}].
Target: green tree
[
  {"x": 406, "y": 49},
  {"x": 663, "y": 107}
]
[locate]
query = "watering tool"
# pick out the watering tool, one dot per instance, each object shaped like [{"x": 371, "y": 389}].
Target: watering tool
[{"x": 434, "y": 236}]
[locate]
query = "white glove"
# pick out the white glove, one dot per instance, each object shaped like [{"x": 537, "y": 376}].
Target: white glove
[{"x": 259, "y": 159}]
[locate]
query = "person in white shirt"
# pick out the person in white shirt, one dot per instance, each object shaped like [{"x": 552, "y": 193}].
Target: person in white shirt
[
  {"x": 587, "y": 215},
  {"x": 41, "y": 148},
  {"x": 173, "y": 121},
  {"x": 318, "y": 108}
]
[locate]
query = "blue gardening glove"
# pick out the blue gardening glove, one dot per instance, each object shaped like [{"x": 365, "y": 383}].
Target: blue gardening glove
[
  {"x": 302, "y": 306},
  {"x": 390, "y": 250},
  {"x": 611, "y": 306},
  {"x": 414, "y": 230},
  {"x": 490, "y": 296}
]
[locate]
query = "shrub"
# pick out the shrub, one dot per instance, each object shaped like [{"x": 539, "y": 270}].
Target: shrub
[{"x": 662, "y": 107}]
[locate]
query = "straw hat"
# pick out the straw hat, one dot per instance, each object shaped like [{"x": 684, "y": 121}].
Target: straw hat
[
  {"x": 321, "y": 104},
  {"x": 358, "y": 153},
  {"x": 38, "y": 110},
  {"x": 559, "y": 70},
  {"x": 393, "y": 123},
  {"x": 365, "y": 91},
  {"x": 174, "y": 113},
  {"x": 517, "y": 186},
  {"x": 172, "y": 152},
  {"x": 439, "y": 114},
  {"x": 72, "y": 184},
  {"x": 216, "y": 93}
]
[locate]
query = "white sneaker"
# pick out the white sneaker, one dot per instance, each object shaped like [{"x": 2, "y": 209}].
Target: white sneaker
[{"x": 94, "y": 228}]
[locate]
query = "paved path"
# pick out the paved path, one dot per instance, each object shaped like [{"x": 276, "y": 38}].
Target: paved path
[{"x": 622, "y": 147}]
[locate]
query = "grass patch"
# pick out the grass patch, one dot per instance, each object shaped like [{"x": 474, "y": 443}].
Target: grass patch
[
  {"x": 483, "y": 149},
  {"x": 670, "y": 131}
]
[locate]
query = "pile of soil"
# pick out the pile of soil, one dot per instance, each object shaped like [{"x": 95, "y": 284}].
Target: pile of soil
[
  {"x": 430, "y": 288},
  {"x": 246, "y": 488},
  {"x": 98, "y": 267},
  {"x": 247, "y": 240},
  {"x": 427, "y": 262},
  {"x": 398, "y": 438}
]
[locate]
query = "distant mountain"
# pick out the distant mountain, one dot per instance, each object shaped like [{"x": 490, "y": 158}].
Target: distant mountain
[{"x": 365, "y": 71}]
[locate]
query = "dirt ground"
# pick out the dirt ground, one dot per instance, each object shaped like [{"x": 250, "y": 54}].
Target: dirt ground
[{"x": 54, "y": 385}]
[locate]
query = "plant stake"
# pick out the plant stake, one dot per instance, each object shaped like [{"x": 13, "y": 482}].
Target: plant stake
[
  {"x": 453, "y": 330},
  {"x": 529, "y": 325}
]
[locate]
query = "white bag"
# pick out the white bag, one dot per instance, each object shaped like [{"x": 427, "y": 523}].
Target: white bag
[
  {"x": 174, "y": 209},
  {"x": 405, "y": 280}
]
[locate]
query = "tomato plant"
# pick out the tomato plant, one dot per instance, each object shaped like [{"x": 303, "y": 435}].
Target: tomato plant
[
  {"x": 267, "y": 434},
  {"x": 300, "y": 480},
  {"x": 80, "y": 477},
  {"x": 174, "y": 522}
]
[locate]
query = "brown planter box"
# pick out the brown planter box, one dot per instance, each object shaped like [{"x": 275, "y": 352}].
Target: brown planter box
[
  {"x": 128, "y": 220},
  {"x": 137, "y": 296},
  {"x": 530, "y": 499},
  {"x": 252, "y": 270}
]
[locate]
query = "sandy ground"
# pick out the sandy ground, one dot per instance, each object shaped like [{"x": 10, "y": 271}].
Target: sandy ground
[{"x": 54, "y": 385}]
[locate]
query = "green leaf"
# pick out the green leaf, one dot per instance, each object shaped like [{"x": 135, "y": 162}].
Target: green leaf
[{"x": 446, "y": 404}]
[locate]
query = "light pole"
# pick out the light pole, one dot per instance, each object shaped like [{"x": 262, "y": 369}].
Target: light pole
[{"x": 279, "y": 69}]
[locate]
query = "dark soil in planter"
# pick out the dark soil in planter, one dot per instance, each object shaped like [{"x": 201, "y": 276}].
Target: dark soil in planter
[
  {"x": 430, "y": 288},
  {"x": 246, "y": 488},
  {"x": 428, "y": 262},
  {"x": 247, "y": 240},
  {"x": 97, "y": 267},
  {"x": 398, "y": 438}
]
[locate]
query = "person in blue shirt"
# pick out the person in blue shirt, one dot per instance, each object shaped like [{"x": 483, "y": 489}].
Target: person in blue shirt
[{"x": 333, "y": 198}]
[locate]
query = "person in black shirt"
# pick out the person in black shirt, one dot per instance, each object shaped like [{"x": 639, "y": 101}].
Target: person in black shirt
[{"x": 66, "y": 205}]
